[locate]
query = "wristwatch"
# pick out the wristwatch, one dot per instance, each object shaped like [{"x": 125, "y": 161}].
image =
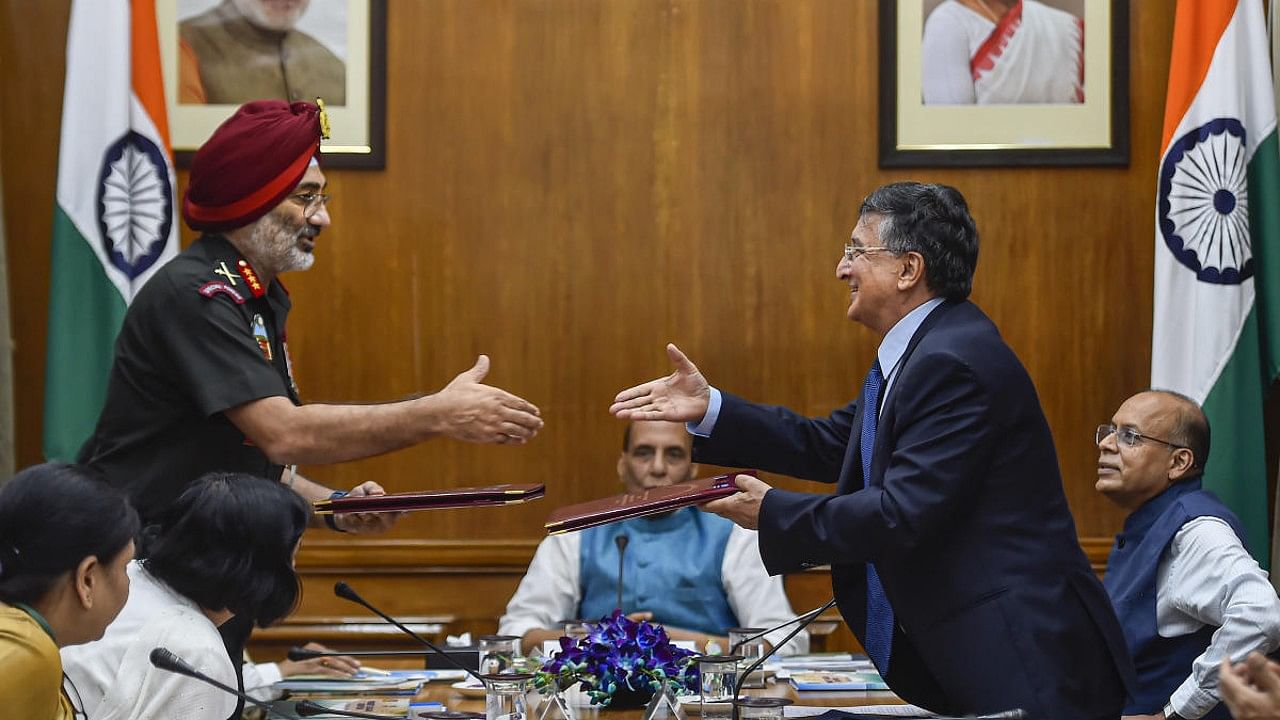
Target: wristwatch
[
  {"x": 331, "y": 520},
  {"x": 1171, "y": 714}
]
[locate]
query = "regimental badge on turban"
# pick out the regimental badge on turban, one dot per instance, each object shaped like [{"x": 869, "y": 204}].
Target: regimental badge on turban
[
  {"x": 251, "y": 163},
  {"x": 324, "y": 118}
]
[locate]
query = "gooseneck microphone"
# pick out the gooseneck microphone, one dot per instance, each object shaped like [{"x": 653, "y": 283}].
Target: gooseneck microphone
[
  {"x": 164, "y": 659},
  {"x": 803, "y": 617},
  {"x": 344, "y": 591},
  {"x": 809, "y": 617},
  {"x": 621, "y": 541}
]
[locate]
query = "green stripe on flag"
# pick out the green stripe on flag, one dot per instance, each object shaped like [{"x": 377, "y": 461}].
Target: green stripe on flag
[
  {"x": 1237, "y": 470},
  {"x": 1264, "y": 228},
  {"x": 85, "y": 313}
]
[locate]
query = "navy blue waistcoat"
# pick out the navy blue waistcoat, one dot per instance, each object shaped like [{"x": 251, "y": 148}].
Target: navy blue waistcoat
[{"x": 1161, "y": 663}]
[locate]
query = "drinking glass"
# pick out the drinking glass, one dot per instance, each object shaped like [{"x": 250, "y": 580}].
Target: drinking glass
[
  {"x": 750, "y": 650},
  {"x": 719, "y": 677}
]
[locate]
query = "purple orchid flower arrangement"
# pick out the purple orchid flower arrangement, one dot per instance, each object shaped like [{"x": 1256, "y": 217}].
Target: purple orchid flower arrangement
[{"x": 620, "y": 658}]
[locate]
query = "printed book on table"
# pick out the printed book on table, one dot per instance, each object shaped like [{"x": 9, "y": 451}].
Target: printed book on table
[{"x": 824, "y": 680}]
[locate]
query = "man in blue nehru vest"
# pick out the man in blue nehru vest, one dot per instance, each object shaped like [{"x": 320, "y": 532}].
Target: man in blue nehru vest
[
  {"x": 953, "y": 554},
  {"x": 1187, "y": 592},
  {"x": 696, "y": 573}
]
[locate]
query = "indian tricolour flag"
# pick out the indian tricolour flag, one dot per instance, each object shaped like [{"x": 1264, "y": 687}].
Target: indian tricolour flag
[
  {"x": 1217, "y": 267},
  {"x": 114, "y": 224}
]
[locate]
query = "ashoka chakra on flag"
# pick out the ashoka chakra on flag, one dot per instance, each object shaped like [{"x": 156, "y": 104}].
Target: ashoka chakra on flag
[
  {"x": 1203, "y": 202},
  {"x": 134, "y": 203}
]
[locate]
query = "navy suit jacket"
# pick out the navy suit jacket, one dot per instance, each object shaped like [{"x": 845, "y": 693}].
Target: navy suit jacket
[{"x": 995, "y": 604}]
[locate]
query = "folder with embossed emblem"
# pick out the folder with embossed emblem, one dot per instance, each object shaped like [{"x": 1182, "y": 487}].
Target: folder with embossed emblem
[
  {"x": 649, "y": 502},
  {"x": 432, "y": 499}
]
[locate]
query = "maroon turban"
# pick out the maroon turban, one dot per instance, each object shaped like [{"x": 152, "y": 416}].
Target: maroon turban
[{"x": 250, "y": 164}]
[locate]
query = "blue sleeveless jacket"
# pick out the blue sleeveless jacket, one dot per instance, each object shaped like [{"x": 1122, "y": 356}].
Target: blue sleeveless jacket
[
  {"x": 672, "y": 569},
  {"x": 1161, "y": 663}
]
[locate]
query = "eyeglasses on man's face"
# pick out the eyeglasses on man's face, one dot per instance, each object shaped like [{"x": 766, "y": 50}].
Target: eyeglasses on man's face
[
  {"x": 1129, "y": 437},
  {"x": 311, "y": 202},
  {"x": 853, "y": 252}
]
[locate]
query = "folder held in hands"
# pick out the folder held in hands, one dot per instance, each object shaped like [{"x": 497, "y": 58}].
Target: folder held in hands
[
  {"x": 433, "y": 499},
  {"x": 649, "y": 502}
]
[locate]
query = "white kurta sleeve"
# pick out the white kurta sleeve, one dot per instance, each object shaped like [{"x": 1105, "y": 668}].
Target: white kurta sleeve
[
  {"x": 756, "y": 598},
  {"x": 550, "y": 591},
  {"x": 1207, "y": 578},
  {"x": 259, "y": 679}
]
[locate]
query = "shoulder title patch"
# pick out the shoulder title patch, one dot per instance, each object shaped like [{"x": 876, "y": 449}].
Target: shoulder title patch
[{"x": 215, "y": 287}]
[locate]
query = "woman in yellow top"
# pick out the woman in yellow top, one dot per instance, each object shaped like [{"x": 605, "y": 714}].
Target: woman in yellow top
[{"x": 65, "y": 540}]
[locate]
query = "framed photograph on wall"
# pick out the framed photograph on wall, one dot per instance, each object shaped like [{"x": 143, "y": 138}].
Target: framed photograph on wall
[
  {"x": 219, "y": 54},
  {"x": 1004, "y": 82}
]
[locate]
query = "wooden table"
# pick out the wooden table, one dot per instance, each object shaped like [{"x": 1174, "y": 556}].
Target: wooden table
[{"x": 441, "y": 691}]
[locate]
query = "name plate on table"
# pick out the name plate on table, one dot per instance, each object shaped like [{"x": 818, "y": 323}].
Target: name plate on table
[
  {"x": 433, "y": 499},
  {"x": 650, "y": 502}
]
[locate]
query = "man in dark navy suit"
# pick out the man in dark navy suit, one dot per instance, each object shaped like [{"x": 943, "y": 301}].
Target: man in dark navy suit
[{"x": 953, "y": 553}]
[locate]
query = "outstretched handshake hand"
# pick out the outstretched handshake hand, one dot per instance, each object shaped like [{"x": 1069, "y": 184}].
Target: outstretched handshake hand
[
  {"x": 480, "y": 413},
  {"x": 682, "y": 396}
]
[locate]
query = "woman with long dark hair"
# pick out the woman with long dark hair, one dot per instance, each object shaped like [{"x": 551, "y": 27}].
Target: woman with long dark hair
[
  {"x": 224, "y": 548},
  {"x": 65, "y": 540}
]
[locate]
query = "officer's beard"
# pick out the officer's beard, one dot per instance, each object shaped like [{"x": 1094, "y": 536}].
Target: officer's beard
[{"x": 277, "y": 244}]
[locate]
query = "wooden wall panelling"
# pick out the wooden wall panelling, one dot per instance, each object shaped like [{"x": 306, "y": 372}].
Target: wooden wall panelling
[{"x": 570, "y": 184}]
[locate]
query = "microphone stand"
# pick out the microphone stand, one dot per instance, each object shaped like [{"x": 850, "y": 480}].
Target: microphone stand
[
  {"x": 1014, "y": 714},
  {"x": 803, "y": 617},
  {"x": 742, "y": 676},
  {"x": 346, "y": 592},
  {"x": 621, "y": 541}
]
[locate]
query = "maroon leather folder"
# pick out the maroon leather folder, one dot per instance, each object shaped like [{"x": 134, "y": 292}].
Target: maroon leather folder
[
  {"x": 433, "y": 499},
  {"x": 649, "y": 502}
]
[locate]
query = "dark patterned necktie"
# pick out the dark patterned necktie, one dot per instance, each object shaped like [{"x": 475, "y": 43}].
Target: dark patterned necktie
[{"x": 879, "y": 635}]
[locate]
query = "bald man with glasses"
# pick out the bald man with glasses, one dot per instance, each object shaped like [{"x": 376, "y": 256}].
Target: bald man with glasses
[{"x": 1187, "y": 592}]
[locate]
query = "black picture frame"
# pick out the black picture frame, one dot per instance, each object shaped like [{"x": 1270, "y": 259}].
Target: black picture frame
[{"x": 894, "y": 153}]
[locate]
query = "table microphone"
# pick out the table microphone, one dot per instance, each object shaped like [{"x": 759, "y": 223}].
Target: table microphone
[
  {"x": 164, "y": 659},
  {"x": 742, "y": 677},
  {"x": 803, "y": 617},
  {"x": 344, "y": 591},
  {"x": 621, "y": 541}
]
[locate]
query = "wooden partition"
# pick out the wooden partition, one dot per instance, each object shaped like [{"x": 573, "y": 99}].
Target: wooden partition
[{"x": 569, "y": 185}]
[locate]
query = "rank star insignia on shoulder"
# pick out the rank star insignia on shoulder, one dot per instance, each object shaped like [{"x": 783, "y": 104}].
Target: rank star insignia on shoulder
[{"x": 251, "y": 278}]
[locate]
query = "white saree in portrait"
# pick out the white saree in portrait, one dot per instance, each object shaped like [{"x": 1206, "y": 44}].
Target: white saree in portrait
[{"x": 1034, "y": 54}]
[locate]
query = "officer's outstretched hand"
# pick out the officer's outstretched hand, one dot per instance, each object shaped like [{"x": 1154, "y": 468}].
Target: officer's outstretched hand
[
  {"x": 682, "y": 396},
  {"x": 471, "y": 411},
  {"x": 366, "y": 522}
]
